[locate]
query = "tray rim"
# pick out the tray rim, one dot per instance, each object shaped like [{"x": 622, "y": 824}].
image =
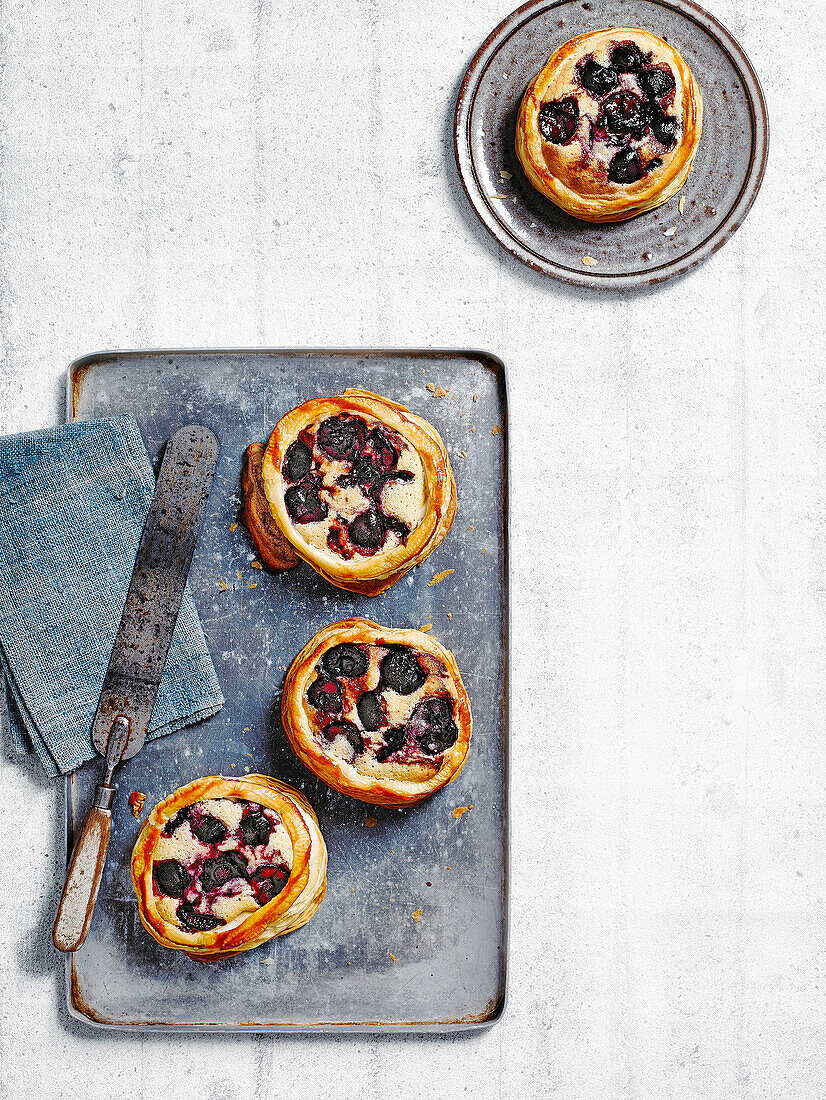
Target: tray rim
[
  {"x": 466, "y": 163},
  {"x": 76, "y": 1006}
]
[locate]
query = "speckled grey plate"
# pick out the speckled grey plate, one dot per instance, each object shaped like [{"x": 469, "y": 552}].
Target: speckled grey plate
[
  {"x": 727, "y": 172},
  {"x": 364, "y": 961}
]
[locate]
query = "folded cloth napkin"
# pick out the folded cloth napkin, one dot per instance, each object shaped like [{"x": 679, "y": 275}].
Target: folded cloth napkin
[{"x": 73, "y": 501}]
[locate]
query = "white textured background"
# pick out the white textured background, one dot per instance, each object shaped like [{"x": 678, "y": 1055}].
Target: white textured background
[{"x": 263, "y": 173}]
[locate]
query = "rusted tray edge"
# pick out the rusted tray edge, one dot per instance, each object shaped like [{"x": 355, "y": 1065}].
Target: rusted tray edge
[
  {"x": 78, "y": 367},
  {"x": 75, "y": 1004}
]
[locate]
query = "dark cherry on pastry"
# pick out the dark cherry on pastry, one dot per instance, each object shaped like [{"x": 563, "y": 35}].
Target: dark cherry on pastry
[
  {"x": 223, "y": 865},
  {"x": 404, "y": 724},
  {"x": 360, "y": 487},
  {"x": 610, "y": 126}
]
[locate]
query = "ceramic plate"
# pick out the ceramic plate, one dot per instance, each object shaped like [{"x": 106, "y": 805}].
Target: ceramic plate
[{"x": 727, "y": 172}]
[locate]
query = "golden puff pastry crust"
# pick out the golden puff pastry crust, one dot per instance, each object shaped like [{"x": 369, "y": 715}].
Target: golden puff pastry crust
[
  {"x": 610, "y": 126},
  {"x": 224, "y": 864},
  {"x": 361, "y": 487},
  {"x": 378, "y": 714},
  {"x": 274, "y": 549}
]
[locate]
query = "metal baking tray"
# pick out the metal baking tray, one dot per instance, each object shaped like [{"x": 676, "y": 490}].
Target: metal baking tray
[{"x": 412, "y": 934}]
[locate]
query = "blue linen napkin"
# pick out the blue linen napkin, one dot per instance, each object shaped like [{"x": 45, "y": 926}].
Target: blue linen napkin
[{"x": 73, "y": 501}]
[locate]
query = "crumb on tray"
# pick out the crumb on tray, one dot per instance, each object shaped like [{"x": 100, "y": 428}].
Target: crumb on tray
[
  {"x": 137, "y": 800},
  {"x": 439, "y": 577}
]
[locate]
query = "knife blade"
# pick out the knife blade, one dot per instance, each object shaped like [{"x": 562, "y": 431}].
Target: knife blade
[{"x": 139, "y": 654}]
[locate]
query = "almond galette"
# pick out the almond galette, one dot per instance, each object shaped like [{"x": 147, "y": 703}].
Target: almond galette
[
  {"x": 224, "y": 864},
  {"x": 361, "y": 488},
  {"x": 377, "y": 713},
  {"x": 610, "y": 126}
]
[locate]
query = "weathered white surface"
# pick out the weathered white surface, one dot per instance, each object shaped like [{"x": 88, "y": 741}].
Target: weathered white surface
[{"x": 282, "y": 174}]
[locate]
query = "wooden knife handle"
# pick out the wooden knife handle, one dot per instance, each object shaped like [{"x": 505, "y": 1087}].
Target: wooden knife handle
[{"x": 77, "y": 904}]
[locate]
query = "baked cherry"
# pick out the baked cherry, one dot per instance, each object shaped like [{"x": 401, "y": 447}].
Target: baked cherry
[
  {"x": 624, "y": 113},
  {"x": 626, "y": 58},
  {"x": 400, "y": 528},
  {"x": 368, "y": 530},
  {"x": 432, "y": 725},
  {"x": 346, "y": 659},
  {"x": 176, "y": 820},
  {"x": 217, "y": 872},
  {"x": 297, "y": 461},
  {"x": 194, "y": 921},
  {"x": 348, "y": 730},
  {"x": 558, "y": 119},
  {"x": 366, "y": 474},
  {"x": 657, "y": 82},
  {"x": 369, "y": 710},
  {"x": 401, "y": 672},
  {"x": 380, "y": 451},
  {"x": 597, "y": 79},
  {"x": 304, "y": 503},
  {"x": 325, "y": 695},
  {"x": 626, "y": 167},
  {"x": 664, "y": 128},
  {"x": 342, "y": 436},
  {"x": 394, "y": 739},
  {"x": 171, "y": 878},
  {"x": 209, "y": 830},
  {"x": 267, "y": 882},
  {"x": 255, "y": 828}
]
